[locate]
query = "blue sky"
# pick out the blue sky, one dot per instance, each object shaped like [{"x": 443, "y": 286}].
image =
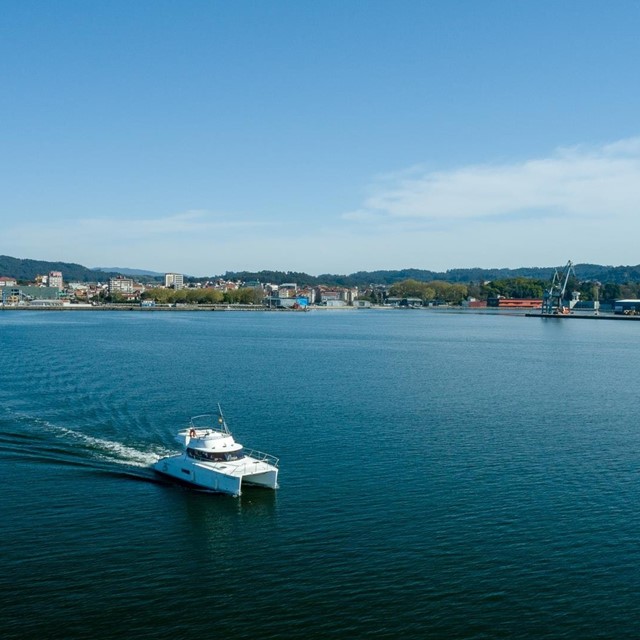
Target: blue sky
[{"x": 324, "y": 136}]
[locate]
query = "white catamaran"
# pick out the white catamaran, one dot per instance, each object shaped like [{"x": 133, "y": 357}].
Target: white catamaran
[{"x": 211, "y": 459}]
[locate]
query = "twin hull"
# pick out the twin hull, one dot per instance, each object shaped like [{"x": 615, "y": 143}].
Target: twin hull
[{"x": 223, "y": 478}]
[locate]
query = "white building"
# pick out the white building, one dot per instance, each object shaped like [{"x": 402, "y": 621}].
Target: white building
[
  {"x": 120, "y": 284},
  {"x": 173, "y": 280},
  {"x": 55, "y": 280},
  {"x": 287, "y": 290}
]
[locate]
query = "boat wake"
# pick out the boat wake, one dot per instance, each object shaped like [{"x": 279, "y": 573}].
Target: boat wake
[
  {"x": 110, "y": 450},
  {"x": 24, "y": 437}
]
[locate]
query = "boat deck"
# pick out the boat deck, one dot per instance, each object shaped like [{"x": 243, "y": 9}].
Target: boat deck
[{"x": 245, "y": 467}]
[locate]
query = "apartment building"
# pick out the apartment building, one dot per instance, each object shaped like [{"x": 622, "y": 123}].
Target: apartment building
[
  {"x": 173, "y": 280},
  {"x": 55, "y": 280},
  {"x": 120, "y": 284}
]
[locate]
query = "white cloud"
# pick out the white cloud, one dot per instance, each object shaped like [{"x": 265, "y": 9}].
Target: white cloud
[
  {"x": 162, "y": 243},
  {"x": 363, "y": 215},
  {"x": 577, "y": 181},
  {"x": 193, "y": 221},
  {"x": 580, "y": 203}
]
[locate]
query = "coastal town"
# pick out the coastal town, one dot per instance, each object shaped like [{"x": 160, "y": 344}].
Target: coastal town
[{"x": 51, "y": 291}]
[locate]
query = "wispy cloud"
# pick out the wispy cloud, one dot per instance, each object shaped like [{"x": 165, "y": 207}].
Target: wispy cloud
[
  {"x": 580, "y": 203},
  {"x": 589, "y": 182},
  {"x": 160, "y": 242},
  {"x": 193, "y": 221}
]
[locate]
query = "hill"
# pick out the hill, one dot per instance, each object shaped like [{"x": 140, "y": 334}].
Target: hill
[
  {"x": 126, "y": 271},
  {"x": 603, "y": 274},
  {"x": 27, "y": 270}
]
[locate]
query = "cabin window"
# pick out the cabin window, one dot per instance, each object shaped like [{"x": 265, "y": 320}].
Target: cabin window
[{"x": 215, "y": 456}]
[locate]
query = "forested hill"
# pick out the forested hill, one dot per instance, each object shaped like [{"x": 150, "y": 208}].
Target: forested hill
[
  {"x": 365, "y": 278},
  {"x": 27, "y": 270},
  {"x": 603, "y": 274}
]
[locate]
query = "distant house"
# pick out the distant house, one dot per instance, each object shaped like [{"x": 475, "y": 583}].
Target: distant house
[
  {"x": 309, "y": 293},
  {"x": 404, "y": 302},
  {"x": 472, "y": 303},
  {"x": 7, "y": 282},
  {"x": 514, "y": 303},
  {"x": 251, "y": 284},
  {"x": 287, "y": 290},
  {"x": 275, "y": 302},
  {"x": 329, "y": 295}
]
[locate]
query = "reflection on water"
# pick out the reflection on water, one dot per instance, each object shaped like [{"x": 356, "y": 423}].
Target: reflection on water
[{"x": 216, "y": 516}]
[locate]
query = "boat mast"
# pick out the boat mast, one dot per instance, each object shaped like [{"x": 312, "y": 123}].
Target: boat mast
[{"x": 221, "y": 421}]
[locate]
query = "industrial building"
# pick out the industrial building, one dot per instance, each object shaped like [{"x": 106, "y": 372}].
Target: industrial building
[{"x": 627, "y": 307}]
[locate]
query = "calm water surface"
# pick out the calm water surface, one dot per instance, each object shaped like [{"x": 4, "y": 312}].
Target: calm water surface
[{"x": 442, "y": 476}]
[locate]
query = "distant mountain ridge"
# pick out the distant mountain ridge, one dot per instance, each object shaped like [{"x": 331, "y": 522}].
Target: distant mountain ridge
[
  {"x": 126, "y": 271},
  {"x": 27, "y": 270},
  {"x": 584, "y": 272}
]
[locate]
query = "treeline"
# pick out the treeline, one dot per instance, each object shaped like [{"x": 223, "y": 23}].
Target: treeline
[
  {"x": 530, "y": 288},
  {"x": 514, "y": 288},
  {"x": 455, "y": 293},
  {"x": 429, "y": 291},
  {"x": 623, "y": 275},
  {"x": 246, "y": 295},
  {"x": 24, "y": 270},
  {"x": 626, "y": 277},
  {"x": 271, "y": 277}
]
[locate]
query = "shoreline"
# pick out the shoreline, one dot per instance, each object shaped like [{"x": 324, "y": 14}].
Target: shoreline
[
  {"x": 582, "y": 316},
  {"x": 260, "y": 309},
  {"x": 181, "y": 308}
]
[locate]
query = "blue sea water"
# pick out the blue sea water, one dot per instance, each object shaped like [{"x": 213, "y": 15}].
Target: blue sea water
[{"x": 442, "y": 476}]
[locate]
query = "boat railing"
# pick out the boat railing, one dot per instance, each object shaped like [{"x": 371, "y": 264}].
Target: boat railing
[
  {"x": 209, "y": 422},
  {"x": 262, "y": 457},
  {"x": 201, "y": 432}
]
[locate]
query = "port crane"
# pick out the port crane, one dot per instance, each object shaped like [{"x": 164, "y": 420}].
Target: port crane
[{"x": 553, "y": 298}]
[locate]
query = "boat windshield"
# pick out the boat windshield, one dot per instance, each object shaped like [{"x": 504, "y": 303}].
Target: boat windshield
[{"x": 215, "y": 456}]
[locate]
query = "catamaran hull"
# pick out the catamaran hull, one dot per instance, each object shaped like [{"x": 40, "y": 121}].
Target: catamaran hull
[
  {"x": 268, "y": 479},
  {"x": 207, "y": 477}
]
